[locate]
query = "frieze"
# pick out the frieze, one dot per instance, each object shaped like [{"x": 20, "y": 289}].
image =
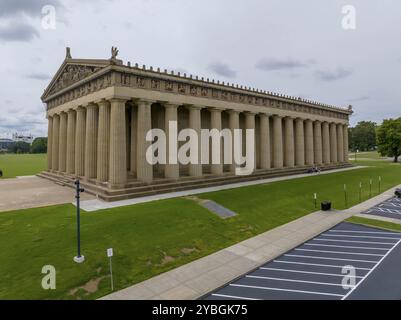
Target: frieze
[{"x": 140, "y": 81}]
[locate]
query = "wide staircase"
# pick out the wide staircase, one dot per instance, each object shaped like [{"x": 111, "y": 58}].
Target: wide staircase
[{"x": 135, "y": 188}]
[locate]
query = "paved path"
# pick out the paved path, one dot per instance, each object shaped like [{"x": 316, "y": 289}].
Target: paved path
[
  {"x": 97, "y": 204},
  {"x": 199, "y": 277},
  {"x": 31, "y": 192}
]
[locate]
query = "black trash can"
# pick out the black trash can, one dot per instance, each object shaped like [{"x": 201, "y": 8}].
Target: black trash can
[
  {"x": 326, "y": 206},
  {"x": 398, "y": 192}
]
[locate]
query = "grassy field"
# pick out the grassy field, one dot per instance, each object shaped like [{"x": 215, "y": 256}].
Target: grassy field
[
  {"x": 22, "y": 164},
  {"x": 151, "y": 238},
  {"x": 376, "y": 223}
]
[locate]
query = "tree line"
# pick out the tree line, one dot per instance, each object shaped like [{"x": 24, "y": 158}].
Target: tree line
[
  {"x": 385, "y": 138},
  {"x": 39, "y": 145}
]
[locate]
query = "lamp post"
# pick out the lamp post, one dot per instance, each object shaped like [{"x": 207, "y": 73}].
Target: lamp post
[{"x": 78, "y": 258}]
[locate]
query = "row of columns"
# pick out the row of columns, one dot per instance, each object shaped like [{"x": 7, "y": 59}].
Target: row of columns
[{"x": 91, "y": 141}]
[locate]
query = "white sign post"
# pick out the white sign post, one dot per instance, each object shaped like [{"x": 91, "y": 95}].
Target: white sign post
[{"x": 110, "y": 254}]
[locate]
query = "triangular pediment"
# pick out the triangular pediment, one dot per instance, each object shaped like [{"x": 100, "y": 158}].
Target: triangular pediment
[{"x": 73, "y": 71}]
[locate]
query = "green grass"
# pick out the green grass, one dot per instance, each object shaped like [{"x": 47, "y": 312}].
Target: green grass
[
  {"x": 375, "y": 223},
  {"x": 151, "y": 238},
  {"x": 22, "y": 164}
]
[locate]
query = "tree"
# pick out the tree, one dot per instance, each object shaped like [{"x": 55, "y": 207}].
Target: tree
[
  {"x": 39, "y": 145},
  {"x": 20, "y": 147},
  {"x": 389, "y": 138},
  {"x": 363, "y": 136}
]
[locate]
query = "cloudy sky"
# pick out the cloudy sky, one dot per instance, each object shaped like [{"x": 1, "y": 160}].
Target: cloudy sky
[{"x": 298, "y": 48}]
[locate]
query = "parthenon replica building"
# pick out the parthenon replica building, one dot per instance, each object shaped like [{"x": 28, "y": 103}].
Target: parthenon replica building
[{"x": 99, "y": 112}]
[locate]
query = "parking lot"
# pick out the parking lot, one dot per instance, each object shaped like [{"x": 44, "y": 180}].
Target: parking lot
[
  {"x": 316, "y": 269},
  {"x": 390, "y": 208}
]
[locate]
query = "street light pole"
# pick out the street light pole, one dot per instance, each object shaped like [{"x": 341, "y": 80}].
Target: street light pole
[{"x": 78, "y": 258}]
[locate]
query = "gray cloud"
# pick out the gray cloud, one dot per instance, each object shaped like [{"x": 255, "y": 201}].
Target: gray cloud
[
  {"x": 222, "y": 69},
  {"x": 18, "y": 32},
  {"x": 38, "y": 76},
  {"x": 32, "y": 8},
  {"x": 273, "y": 64},
  {"x": 339, "y": 73}
]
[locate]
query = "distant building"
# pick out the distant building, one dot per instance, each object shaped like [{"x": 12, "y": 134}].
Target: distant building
[
  {"x": 5, "y": 144},
  {"x": 24, "y": 138}
]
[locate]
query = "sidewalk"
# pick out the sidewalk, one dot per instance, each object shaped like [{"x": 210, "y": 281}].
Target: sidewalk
[
  {"x": 97, "y": 204},
  {"x": 199, "y": 277}
]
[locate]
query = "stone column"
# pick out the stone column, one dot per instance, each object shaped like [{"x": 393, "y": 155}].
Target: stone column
[
  {"x": 289, "y": 142},
  {"x": 118, "y": 149},
  {"x": 49, "y": 142},
  {"x": 195, "y": 170},
  {"x": 333, "y": 143},
  {"x": 309, "y": 145},
  {"x": 345, "y": 143},
  {"x": 134, "y": 124},
  {"x": 277, "y": 142},
  {"x": 264, "y": 141},
  {"x": 62, "y": 160},
  {"x": 71, "y": 142},
  {"x": 340, "y": 143},
  {"x": 300, "y": 142},
  {"x": 55, "y": 142},
  {"x": 317, "y": 137},
  {"x": 215, "y": 123},
  {"x": 144, "y": 168},
  {"x": 250, "y": 124},
  {"x": 234, "y": 124},
  {"x": 103, "y": 141},
  {"x": 326, "y": 143},
  {"x": 171, "y": 170},
  {"x": 91, "y": 141},
  {"x": 80, "y": 136}
]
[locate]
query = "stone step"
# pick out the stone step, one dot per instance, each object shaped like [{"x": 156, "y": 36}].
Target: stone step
[{"x": 137, "y": 189}]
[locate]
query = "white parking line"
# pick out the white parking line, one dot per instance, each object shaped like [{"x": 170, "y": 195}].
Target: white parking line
[
  {"x": 317, "y": 264},
  {"x": 337, "y": 246},
  {"x": 347, "y": 236},
  {"x": 293, "y": 280},
  {"x": 341, "y": 252},
  {"x": 233, "y": 297},
  {"x": 352, "y": 241},
  {"x": 376, "y": 232},
  {"x": 367, "y": 275},
  {"x": 327, "y": 258},
  {"x": 307, "y": 272},
  {"x": 287, "y": 290}
]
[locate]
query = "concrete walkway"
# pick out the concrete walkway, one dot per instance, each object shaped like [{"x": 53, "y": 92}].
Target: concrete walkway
[
  {"x": 199, "y": 277},
  {"x": 97, "y": 204},
  {"x": 31, "y": 192}
]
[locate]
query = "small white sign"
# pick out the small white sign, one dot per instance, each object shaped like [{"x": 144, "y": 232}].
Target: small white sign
[{"x": 110, "y": 252}]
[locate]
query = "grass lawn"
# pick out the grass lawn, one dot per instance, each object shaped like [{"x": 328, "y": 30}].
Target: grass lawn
[
  {"x": 22, "y": 164},
  {"x": 375, "y": 223},
  {"x": 151, "y": 238}
]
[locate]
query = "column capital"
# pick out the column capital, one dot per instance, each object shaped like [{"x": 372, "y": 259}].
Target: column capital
[
  {"x": 215, "y": 109},
  {"x": 277, "y": 116},
  {"x": 144, "y": 101},
  {"x": 264, "y": 114},
  {"x": 233, "y": 111},
  {"x": 250, "y": 113},
  {"x": 118, "y": 100},
  {"x": 297, "y": 119},
  {"x": 193, "y": 107},
  {"x": 102, "y": 102},
  {"x": 170, "y": 105},
  {"x": 317, "y": 121},
  {"x": 71, "y": 110}
]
